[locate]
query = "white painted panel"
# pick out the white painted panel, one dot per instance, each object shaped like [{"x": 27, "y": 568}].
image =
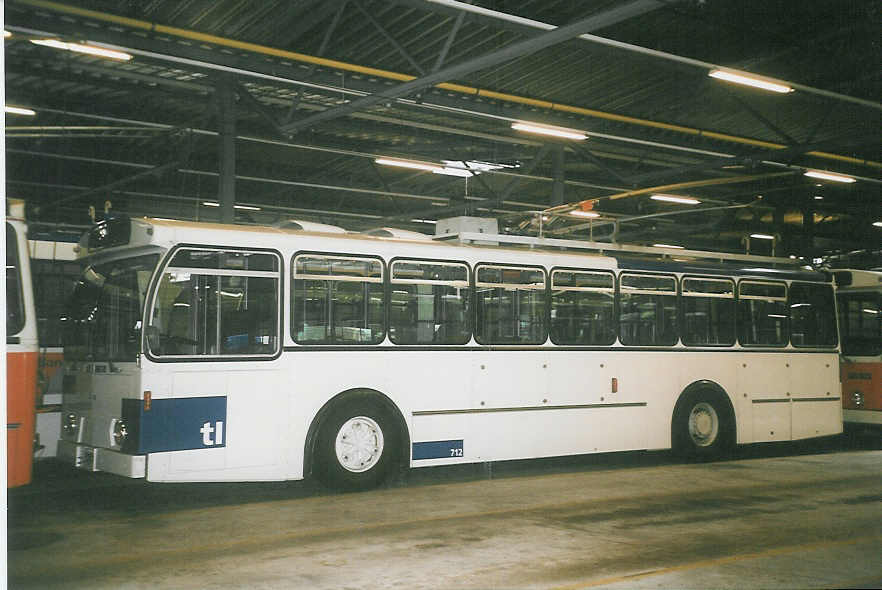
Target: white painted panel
[
  {"x": 509, "y": 379},
  {"x": 771, "y": 421},
  {"x": 815, "y": 418},
  {"x": 547, "y": 433},
  {"x": 579, "y": 377},
  {"x": 814, "y": 375}
]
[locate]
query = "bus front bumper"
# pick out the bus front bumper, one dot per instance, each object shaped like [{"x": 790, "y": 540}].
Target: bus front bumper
[{"x": 92, "y": 458}]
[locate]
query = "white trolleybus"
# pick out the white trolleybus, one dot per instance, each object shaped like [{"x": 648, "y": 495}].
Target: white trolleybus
[
  {"x": 204, "y": 352},
  {"x": 859, "y": 294}
]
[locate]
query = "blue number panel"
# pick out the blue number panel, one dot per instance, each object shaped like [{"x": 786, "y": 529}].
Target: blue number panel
[{"x": 440, "y": 449}]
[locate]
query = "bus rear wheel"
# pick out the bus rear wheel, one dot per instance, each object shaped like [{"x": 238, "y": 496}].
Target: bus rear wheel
[
  {"x": 357, "y": 446},
  {"x": 702, "y": 427}
]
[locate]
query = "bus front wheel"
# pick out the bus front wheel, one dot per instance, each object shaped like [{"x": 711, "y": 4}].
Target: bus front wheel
[
  {"x": 702, "y": 427},
  {"x": 357, "y": 446}
]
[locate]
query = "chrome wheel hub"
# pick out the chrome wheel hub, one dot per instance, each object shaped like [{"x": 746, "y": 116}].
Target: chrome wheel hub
[
  {"x": 704, "y": 424},
  {"x": 359, "y": 444}
]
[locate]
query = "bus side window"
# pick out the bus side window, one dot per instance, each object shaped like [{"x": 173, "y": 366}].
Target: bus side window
[
  {"x": 812, "y": 316},
  {"x": 216, "y": 303},
  {"x": 647, "y": 310},
  {"x": 429, "y": 303},
  {"x": 762, "y": 313},
  {"x": 337, "y": 300},
  {"x": 708, "y": 311},
  {"x": 582, "y": 307},
  {"x": 509, "y": 305}
]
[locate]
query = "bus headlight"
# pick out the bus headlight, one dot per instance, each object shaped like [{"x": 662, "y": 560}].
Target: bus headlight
[
  {"x": 120, "y": 432},
  {"x": 857, "y": 398},
  {"x": 71, "y": 424}
]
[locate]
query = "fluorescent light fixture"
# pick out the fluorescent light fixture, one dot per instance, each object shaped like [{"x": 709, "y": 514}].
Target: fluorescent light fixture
[
  {"x": 18, "y": 111},
  {"x": 424, "y": 221},
  {"x": 667, "y": 246},
  {"x": 6, "y": 34},
  {"x": 588, "y": 214},
  {"x": 408, "y": 164},
  {"x": 676, "y": 199},
  {"x": 750, "y": 80},
  {"x": 548, "y": 130},
  {"x": 476, "y": 165},
  {"x": 877, "y": 223},
  {"x": 829, "y": 176},
  {"x": 762, "y": 236},
  {"x": 83, "y": 48},
  {"x": 462, "y": 172},
  {"x": 240, "y": 207},
  {"x": 819, "y": 198}
]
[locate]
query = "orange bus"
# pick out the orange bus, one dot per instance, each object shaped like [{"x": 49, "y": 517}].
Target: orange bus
[
  {"x": 859, "y": 298},
  {"x": 21, "y": 352}
]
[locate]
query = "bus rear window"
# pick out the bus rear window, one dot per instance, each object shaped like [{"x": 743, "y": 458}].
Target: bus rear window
[{"x": 812, "y": 315}]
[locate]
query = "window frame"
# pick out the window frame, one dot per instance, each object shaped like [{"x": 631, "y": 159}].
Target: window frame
[
  {"x": 156, "y": 281},
  {"x": 21, "y": 319},
  {"x": 835, "y": 343},
  {"x": 734, "y": 297},
  {"x": 843, "y": 298},
  {"x": 469, "y": 286},
  {"x": 382, "y": 281},
  {"x": 543, "y": 289},
  {"x": 675, "y": 294},
  {"x": 784, "y": 299},
  {"x": 611, "y": 290}
]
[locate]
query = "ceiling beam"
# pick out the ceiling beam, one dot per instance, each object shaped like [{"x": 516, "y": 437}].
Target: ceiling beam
[{"x": 509, "y": 53}]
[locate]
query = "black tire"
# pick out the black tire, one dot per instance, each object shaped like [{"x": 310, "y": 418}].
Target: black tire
[
  {"x": 702, "y": 427},
  {"x": 368, "y": 457}
]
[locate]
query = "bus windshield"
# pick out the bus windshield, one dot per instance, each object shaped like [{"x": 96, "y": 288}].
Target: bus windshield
[
  {"x": 14, "y": 302},
  {"x": 103, "y": 320},
  {"x": 860, "y": 322}
]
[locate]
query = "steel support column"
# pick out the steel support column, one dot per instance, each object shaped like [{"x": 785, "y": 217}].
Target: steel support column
[
  {"x": 557, "y": 188},
  {"x": 226, "y": 190}
]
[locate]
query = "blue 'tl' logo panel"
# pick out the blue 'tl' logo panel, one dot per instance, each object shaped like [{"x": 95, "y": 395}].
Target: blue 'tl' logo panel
[{"x": 176, "y": 424}]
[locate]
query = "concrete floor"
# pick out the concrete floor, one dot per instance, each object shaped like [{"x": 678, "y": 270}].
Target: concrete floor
[{"x": 803, "y": 515}]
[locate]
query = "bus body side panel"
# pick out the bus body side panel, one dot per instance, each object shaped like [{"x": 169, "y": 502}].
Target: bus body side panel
[
  {"x": 815, "y": 391},
  {"x": 865, "y": 379},
  {"x": 227, "y": 420},
  {"x": 21, "y": 386}
]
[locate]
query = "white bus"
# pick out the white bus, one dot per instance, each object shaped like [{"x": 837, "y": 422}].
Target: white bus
[
  {"x": 859, "y": 295},
  {"x": 204, "y": 352}
]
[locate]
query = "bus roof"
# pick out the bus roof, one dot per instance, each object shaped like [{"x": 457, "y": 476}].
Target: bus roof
[{"x": 522, "y": 250}]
